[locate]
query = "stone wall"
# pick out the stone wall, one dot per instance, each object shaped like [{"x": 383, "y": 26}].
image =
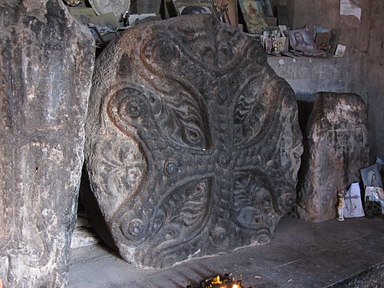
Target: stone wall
[
  {"x": 375, "y": 79},
  {"x": 360, "y": 71}
]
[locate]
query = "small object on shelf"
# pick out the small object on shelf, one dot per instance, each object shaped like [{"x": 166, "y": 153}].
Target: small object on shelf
[
  {"x": 374, "y": 201},
  {"x": 340, "y": 50},
  {"x": 322, "y": 38},
  {"x": 372, "y": 209},
  {"x": 118, "y": 8},
  {"x": 228, "y": 11},
  {"x": 341, "y": 204},
  {"x": 371, "y": 176},
  {"x": 186, "y": 7},
  {"x": 254, "y": 20},
  {"x": 353, "y": 205},
  {"x": 301, "y": 40}
]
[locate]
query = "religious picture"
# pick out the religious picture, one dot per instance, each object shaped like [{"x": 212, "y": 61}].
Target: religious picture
[
  {"x": 117, "y": 7},
  {"x": 254, "y": 20},
  {"x": 353, "y": 206},
  {"x": 340, "y": 50},
  {"x": 371, "y": 176},
  {"x": 188, "y": 7},
  {"x": 374, "y": 195},
  {"x": 227, "y": 10},
  {"x": 300, "y": 40}
]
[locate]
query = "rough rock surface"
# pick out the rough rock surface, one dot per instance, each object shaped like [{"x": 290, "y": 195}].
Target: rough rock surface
[
  {"x": 336, "y": 147},
  {"x": 46, "y": 63},
  {"x": 193, "y": 143}
]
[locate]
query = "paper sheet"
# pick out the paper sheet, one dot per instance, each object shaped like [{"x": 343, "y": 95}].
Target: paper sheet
[
  {"x": 353, "y": 205},
  {"x": 350, "y": 7}
]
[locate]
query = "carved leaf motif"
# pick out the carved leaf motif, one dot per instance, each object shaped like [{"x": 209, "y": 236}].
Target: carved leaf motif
[
  {"x": 250, "y": 111},
  {"x": 252, "y": 199},
  {"x": 183, "y": 121},
  {"x": 191, "y": 207},
  {"x": 187, "y": 209},
  {"x": 122, "y": 168}
]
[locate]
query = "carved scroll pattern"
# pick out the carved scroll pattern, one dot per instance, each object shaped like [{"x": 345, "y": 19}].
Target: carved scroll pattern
[{"x": 205, "y": 146}]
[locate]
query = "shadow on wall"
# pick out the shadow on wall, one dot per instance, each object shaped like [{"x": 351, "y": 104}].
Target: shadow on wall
[
  {"x": 305, "y": 105},
  {"x": 88, "y": 203},
  {"x": 304, "y": 110}
]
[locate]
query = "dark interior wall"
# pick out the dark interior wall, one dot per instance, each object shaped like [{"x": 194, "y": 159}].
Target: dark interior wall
[
  {"x": 359, "y": 71},
  {"x": 311, "y": 75},
  {"x": 375, "y": 79},
  {"x": 142, "y": 7}
]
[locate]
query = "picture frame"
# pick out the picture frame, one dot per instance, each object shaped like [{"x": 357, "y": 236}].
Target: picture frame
[
  {"x": 322, "y": 38},
  {"x": 187, "y": 7},
  {"x": 118, "y": 8},
  {"x": 280, "y": 44},
  {"x": 371, "y": 176},
  {"x": 373, "y": 201},
  {"x": 227, "y": 10},
  {"x": 340, "y": 50},
  {"x": 254, "y": 20},
  {"x": 301, "y": 40}
]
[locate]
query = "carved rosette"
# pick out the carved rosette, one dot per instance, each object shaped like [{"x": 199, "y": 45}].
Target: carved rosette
[{"x": 194, "y": 143}]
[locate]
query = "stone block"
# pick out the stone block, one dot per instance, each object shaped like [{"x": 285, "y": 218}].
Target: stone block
[
  {"x": 46, "y": 64},
  {"x": 193, "y": 143},
  {"x": 336, "y": 147}
]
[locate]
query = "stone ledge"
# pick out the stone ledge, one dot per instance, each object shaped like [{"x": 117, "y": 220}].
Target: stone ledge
[{"x": 372, "y": 277}]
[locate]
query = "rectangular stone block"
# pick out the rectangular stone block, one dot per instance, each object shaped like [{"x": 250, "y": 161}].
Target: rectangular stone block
[{"x": 46, "y": 62}]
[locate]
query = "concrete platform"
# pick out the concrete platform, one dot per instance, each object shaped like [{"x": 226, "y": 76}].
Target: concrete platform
[{"x": 301, "y": 254}]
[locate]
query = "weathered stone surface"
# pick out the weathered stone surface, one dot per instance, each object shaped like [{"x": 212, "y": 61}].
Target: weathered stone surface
[
  {"x": 46, "y": 63},
  {"x": 193, "y": 143},
  {"x": 336, "y": 147}
]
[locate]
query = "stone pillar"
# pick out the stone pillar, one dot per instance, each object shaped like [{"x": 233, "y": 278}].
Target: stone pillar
[
  {"x": 46, "y": 63},
  {"x": 336, "y": 148},
  {"x": 193, "y": 142}
]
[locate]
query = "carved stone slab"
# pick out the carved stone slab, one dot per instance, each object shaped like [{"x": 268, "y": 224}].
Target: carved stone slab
[
  {"x": 46, "y": 63},
  {"x": 193, "y": 143},
  {"x": 336, "y": 148}
]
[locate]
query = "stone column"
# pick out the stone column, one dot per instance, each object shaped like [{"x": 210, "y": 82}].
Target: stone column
[
  {"x": 336, "y": 148},
  {"x": 46, "y": 62}
]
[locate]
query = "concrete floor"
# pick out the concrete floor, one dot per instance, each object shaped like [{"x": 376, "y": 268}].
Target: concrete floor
[{"x": 301, "y": 254}]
